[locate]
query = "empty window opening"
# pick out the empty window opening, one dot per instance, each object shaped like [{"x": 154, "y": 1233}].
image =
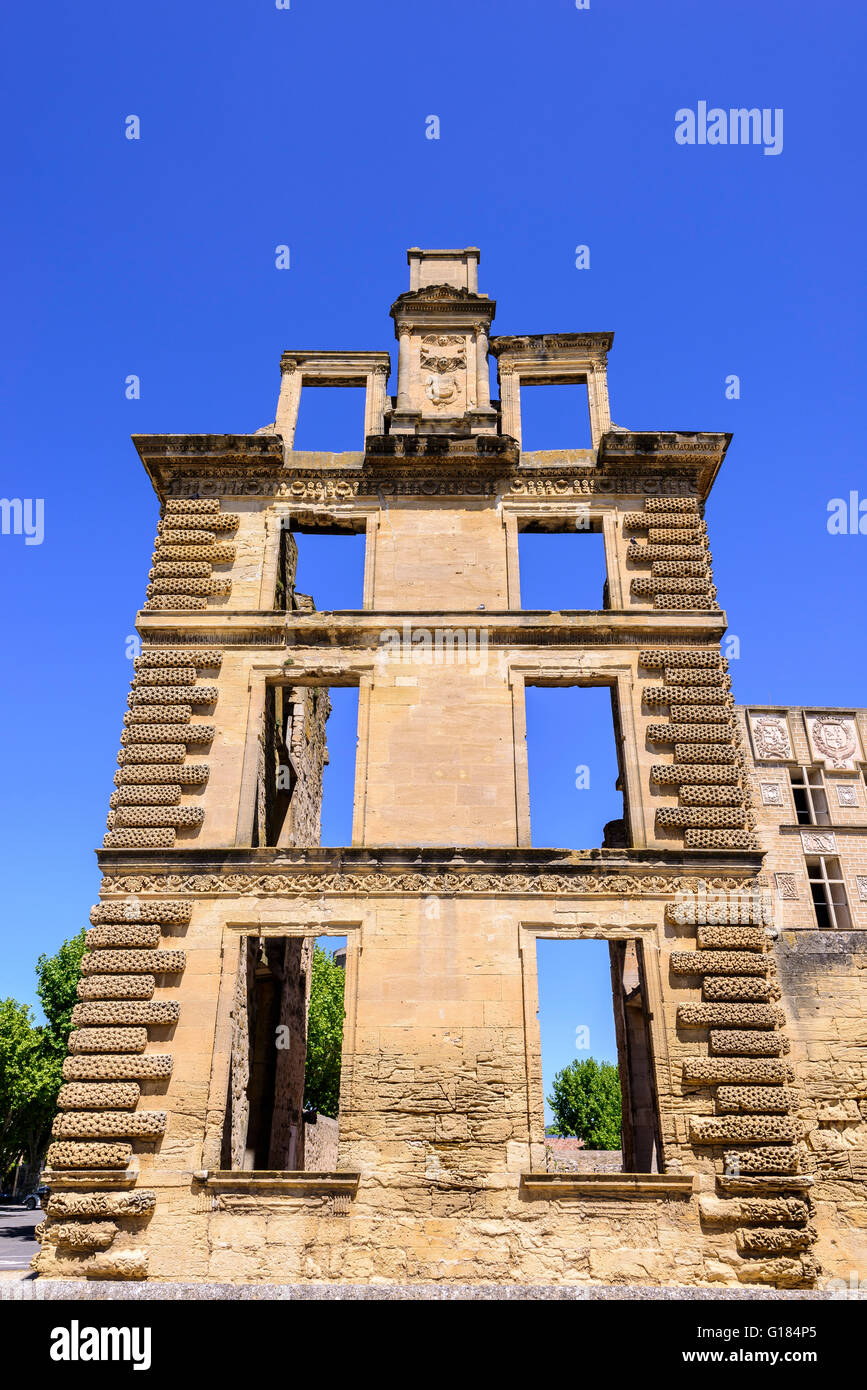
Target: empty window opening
[
  {"x": 828, "y": 892},
  {"x": 808, "y": 790},
  {"x": 320, "y": 569},
  {"x": 330, "y": 418},
  {"x": 576, "y": 786},
  {"x": 305, "y": 789},
  {"x": 601, "y": 1113},
  {"x": 555, "y": 416},
  {"x": 282, "y": 1109},
  {"x": 563, "y": 570}
]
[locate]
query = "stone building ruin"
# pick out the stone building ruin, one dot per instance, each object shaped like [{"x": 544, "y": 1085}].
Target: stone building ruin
[{"x": 733, "y": 895}]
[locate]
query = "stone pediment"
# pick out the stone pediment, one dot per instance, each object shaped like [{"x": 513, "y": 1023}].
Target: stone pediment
[{"x": 447, "y": 297}]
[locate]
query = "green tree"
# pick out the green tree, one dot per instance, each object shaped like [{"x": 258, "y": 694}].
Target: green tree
[
  {"x": 57, "y": 983},
  {"x": 31, "y": 1060},
  {"x": 324, "y": 1034},
  {"x": 27, "y": 1092},
  {"x": 586, "y": 1102}
]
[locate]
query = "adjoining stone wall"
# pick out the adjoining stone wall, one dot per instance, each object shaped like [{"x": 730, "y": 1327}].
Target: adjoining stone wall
[
  {"x": 570, "y": 1156},
  {"x": 320, "y": 1145}
]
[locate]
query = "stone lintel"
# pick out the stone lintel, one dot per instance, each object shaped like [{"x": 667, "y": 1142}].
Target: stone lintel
[
  {"x": 607, "y": 1184},
  {"x": 226, "y": 1180}
]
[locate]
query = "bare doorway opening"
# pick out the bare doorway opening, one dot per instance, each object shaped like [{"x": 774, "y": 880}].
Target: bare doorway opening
[
  {"x": 601, "y": 1112},
  {"x": 282, "y": 1111},
  {"x": 305, "y": 789},
  {"x": 330, "y": 418},
  {"x": 555, "y": 416},
  {"x": 563, "y": 570},
  {"x": 321, "y": 568},
  {"x": 575, "y": 777}
]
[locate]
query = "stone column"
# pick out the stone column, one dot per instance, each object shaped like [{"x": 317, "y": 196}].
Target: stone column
[
  {"x": 374, "y": 403},
  {"x": 403, "y": 401},
  {"x": 288, "y": 402},
  {"x": 510, "y": 401},
  {"x": 483, "y": 383},
  {"x": 600, "y": 410}
]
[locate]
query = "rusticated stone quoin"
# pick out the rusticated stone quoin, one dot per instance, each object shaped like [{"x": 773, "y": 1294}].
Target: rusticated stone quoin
[
  {"x": 155, "y": 1066},
  {"x": 765, "y": 1099},
  {"x": 771, "y": 1241},
  {"x": 140, "y": 911},
  {"x": 107, "y": 1124},
  {"x": 115, "y": 987},
  {"x": 744, "y": 1128},
  {"x": 122, "y": 1096},
  {"x": 78, "y": 1235},
  {"x": 124, "y": 1011},
  {"x": 109, "y": 1264},
  {"x": 741, "y": 1042},
  {"x": 138, "y": 1202},
  {"x": 64, "y": 1154},
  {"x": 131, "y": 962},
  {"x": 122, "y": 934},
  {"x": 751, "y": 1071},
  {"x": 108, "y": 1040},
  {"x": 721, "y": 962}
]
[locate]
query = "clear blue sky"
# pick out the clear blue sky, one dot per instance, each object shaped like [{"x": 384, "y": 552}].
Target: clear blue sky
[{"x": 306, "y": 127}]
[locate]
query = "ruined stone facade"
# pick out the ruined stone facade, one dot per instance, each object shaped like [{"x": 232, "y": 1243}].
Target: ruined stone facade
[{"x": 741, "y": 1046}]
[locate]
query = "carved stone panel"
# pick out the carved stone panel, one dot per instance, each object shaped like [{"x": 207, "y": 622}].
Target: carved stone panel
[
  {"x": 771, "y": 739},
  {"x": 772, "y": 794},
  {"x": 787, "y": 887},
  {"x": 847, "y": 794},
  {"x": 861, "y": 882},
  {"x": 834, "y": 740},
  {"x": 819, "y": 841}
]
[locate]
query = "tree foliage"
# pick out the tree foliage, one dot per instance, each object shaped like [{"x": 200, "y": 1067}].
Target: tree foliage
[
  {"x": 586, "y": 1102},
  {"x": 31, "y": 1059},
  {"x": 324, "y": 1034}
]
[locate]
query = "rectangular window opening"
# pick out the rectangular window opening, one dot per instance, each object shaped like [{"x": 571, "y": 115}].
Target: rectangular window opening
[
  {"x": 828, "y": 892},
  {"x": 808, "y": 791},
  {"x": 330, "y": 418},
  {"x": 601, "y": 1112},
  {"x": 555, "y": 415},
  {"x": 305, "y": 791},
  {"x": 576, "y": 782},
  {"x": 565, "y": 569},
  {"x": 320, "y": 569},
  {"x": 282, "y": 1111}
]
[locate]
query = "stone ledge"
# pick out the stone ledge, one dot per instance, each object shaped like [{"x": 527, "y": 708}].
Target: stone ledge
[
  {"x": 607, "y": 1184},
  {"x": 224, "y": 1180},
  {"x": 97, "y": 1290},
  {"x": 763, "y": 1183},
  {"x": 64, "y": 1180}
]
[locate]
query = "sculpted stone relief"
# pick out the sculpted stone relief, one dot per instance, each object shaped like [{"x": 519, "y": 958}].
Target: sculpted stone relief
[
  {"x": 834, "y": 740},
  {"x": 772, "y": 794},
  {"x": 442, "y": 356},
  {"x": 770, "y": 735}
]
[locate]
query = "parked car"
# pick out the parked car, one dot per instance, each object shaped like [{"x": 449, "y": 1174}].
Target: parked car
[{"x": 34, "y": 1198}]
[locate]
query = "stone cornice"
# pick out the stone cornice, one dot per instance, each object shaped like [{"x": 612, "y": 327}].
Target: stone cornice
[
  {"x": 431, "y": 872},
  {"x": 362, "y": 629},
  {"x": 698, "y": 450},
  {"x": 540, "y": 344},
  {"x": 647, "y": 464}
]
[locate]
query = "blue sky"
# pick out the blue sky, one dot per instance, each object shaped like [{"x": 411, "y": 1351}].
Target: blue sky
[{"x": 306, "y": 127}]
